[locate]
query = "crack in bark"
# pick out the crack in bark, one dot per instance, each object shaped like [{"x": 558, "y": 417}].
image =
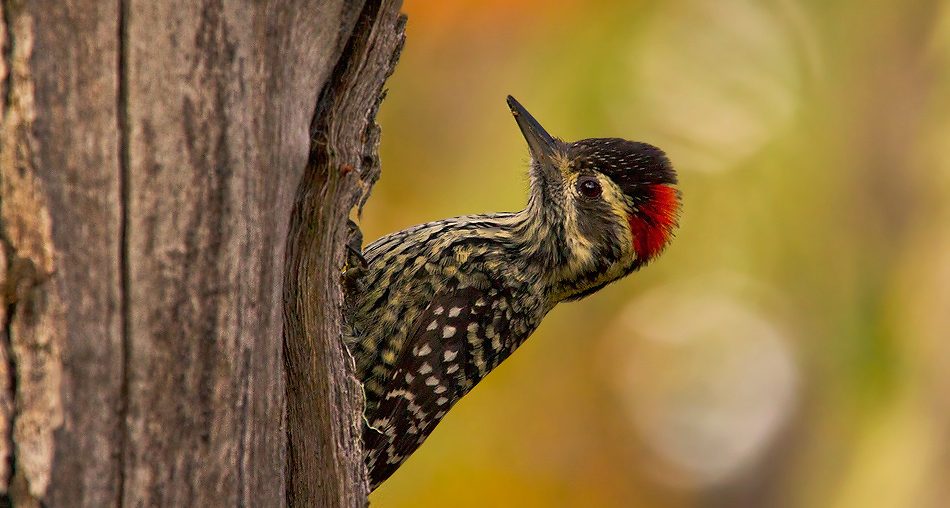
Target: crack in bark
[
  {"x": 324, "y": 399},
  {"x": 20, "y": 278},
  {"x": 7, "y": 370},
  {"x": 7, "y": 378},
  {"x": 122, "y": 126},
  {"x": 6, "y": 54}
]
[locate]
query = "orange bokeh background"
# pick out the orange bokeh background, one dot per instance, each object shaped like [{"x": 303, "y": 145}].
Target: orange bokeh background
[{"x": 791, "y": 346}]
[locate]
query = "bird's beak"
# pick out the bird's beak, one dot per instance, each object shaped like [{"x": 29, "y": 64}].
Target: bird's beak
[{"x": 543, "y": 147}]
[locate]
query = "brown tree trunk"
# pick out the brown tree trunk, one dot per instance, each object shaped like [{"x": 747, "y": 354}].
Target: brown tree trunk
[{"x": 175, "y": 178}]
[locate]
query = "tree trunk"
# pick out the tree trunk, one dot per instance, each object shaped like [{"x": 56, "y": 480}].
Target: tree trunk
[{"x": 175, "y": 180}]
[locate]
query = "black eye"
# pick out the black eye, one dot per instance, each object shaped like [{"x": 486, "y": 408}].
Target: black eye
[{"x": 589, "y": 187}]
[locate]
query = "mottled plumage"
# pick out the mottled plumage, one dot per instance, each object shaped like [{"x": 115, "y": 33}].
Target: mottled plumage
[{"x": 439, "y": 305}]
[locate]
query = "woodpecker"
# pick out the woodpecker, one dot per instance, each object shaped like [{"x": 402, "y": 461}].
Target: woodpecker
[{"x": 434, "y": 308}]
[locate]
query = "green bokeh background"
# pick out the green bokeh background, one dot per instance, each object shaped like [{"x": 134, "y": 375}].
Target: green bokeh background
[{"x": 792, "y": 346}]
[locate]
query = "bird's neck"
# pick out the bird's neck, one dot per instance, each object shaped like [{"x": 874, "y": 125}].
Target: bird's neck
[
  {"x": 538, "y": 234},
  {"x": 544, "y": 254},
  {"x": 563, "y": 268}
]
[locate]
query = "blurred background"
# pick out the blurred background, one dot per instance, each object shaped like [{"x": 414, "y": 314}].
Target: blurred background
[{"x": 792, "y": 346}]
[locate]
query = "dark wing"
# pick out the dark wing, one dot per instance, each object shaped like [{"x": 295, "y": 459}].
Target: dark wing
[{"x": 450, "y": 348}]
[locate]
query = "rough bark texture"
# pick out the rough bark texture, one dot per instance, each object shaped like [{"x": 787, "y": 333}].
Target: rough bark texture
[
  {"x": 151, "y": 154},
  {"x": 322, "y": 393}
]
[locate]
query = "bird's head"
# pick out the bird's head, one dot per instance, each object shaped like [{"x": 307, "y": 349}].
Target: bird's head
[{"x": 614, "y": 200}]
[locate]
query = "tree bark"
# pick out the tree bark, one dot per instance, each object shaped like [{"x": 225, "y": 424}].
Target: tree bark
[
  {"x": 175, "y": 180},
  {"x": 322, "y": 392}
]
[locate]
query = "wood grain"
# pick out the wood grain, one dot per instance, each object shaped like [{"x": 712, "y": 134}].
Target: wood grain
[
  {"x": 322, "y": 393},
  {"x": 151, "y": 156}
]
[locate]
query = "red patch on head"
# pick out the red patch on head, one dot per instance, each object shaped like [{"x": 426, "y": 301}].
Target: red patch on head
[{"x": 652, "y": 225}]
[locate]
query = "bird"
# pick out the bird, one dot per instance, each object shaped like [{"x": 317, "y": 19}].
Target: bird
[{"x": 432, "y": 309}]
